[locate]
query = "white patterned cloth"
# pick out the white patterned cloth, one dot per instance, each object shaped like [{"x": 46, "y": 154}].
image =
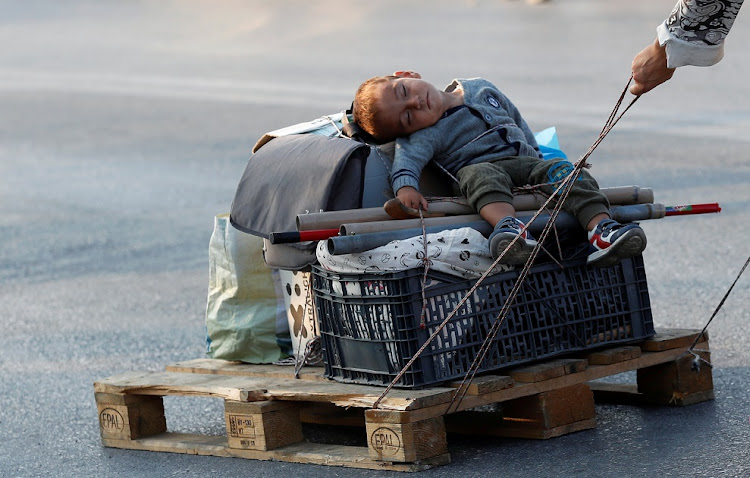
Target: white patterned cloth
[
  {"x": 695, "y": 31},
  {"x": 461, "y": 252}
]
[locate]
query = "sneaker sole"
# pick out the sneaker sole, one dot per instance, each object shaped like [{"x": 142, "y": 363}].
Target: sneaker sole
[
  {"x": 516, "y": 255},
  {"x": 629, "y": 245}
]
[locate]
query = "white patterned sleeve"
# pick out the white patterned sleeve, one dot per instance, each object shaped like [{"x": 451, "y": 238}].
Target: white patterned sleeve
[{"x": 694, "y": 32}]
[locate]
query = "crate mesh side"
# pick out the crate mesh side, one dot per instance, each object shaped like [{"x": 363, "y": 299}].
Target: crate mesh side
[{"x": 556, "y": 310}]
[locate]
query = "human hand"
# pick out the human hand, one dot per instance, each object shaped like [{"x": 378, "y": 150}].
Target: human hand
[
  {"x": 407, "y": 74},
  {"x": 412, "y": 198},
  {"x": 650, "y": 69}
]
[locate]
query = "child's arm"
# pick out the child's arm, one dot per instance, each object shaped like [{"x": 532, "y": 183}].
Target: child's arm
[{"x": 411, "y": 156}]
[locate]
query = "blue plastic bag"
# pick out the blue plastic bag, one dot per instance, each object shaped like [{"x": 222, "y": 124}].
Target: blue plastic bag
[{"x": 548, "y": 144}]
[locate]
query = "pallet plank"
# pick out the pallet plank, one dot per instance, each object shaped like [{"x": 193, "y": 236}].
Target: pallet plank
[
  {"x": 548, "y": 370},
  {"x": 614, "y": 355},
  {"x": 593, "y": 372},
  {"x": 306, "y": 453},
  {"x": 485, "y": 384},
  {"x": 666, "y": 339},
  {"x": 212, "y": 366},
  {"x": 209, "y": 366},
  {"x": 510, "y": 431},
  {"x": 241, "y": 388}
]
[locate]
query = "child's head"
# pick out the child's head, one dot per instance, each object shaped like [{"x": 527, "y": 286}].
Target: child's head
[{"x": 388, "y": 107}]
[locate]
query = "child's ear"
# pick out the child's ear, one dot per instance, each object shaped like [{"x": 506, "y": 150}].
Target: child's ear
[{"x": 407, "y": 74}]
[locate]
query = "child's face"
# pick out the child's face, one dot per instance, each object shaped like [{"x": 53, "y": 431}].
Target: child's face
[{"x": 406, "y": 105}]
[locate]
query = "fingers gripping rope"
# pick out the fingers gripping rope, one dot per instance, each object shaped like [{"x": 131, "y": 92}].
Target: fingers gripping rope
[{"x": 563, "y": 191}]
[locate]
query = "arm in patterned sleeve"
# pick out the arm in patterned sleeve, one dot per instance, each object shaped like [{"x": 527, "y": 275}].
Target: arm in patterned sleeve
[{"x": 694, "y": 32}]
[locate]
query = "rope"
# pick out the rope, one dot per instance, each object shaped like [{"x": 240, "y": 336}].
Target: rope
[
  {"x": 426, "y": 263},
  {"x": 697, "y": 359},
  {"x": 564, "y": 189},
  {"x": 566, "y": 183}
]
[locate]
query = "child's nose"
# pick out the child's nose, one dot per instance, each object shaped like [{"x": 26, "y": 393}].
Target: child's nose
[{"x": 415, "y": 102}]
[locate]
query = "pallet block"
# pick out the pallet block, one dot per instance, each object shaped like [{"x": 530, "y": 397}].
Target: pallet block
[
  {"x": 129, "y": 417},
  {"x": 265, "y": 406},
  {"x": 262, "y": 425},
  {"x": 549, "y": 414},
  {"x": 394, "y": 436}
]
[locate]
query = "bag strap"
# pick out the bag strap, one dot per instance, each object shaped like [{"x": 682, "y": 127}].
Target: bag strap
[{"x": 352, "y": 130}]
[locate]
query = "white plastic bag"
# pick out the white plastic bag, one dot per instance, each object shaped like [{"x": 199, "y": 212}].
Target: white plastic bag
[{"x": 243, "y": 321}]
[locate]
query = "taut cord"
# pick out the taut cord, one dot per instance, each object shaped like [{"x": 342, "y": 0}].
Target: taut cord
[{"x": 697, "y": 359}]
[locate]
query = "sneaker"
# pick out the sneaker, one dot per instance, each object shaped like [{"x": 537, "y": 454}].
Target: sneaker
[
  {"x": 505, "y": 231},
  {"x": 611, "y": 242}
]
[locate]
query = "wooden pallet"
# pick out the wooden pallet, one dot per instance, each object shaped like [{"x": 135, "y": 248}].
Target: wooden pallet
[{"x": 265, "y": 406}]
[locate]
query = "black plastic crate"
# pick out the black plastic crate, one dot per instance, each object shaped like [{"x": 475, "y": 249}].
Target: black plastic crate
[{"x": 370, "y": 323}]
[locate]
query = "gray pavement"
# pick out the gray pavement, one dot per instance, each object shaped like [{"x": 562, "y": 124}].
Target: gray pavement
[{"x": 125, "y": 126}]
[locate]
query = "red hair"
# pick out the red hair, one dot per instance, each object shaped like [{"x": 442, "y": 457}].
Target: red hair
[{"x": 366, "y": 108}]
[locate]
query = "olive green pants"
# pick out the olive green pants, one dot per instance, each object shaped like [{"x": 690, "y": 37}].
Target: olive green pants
[{"x": 493, "y": 181}]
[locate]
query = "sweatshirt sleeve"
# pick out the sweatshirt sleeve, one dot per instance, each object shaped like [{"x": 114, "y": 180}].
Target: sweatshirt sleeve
[
  {"x": 695, "y": 31},
  {"x": 410, "y": 158}
]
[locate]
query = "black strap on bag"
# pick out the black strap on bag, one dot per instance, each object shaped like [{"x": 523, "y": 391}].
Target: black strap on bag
[{"x": 352, "y": 130}]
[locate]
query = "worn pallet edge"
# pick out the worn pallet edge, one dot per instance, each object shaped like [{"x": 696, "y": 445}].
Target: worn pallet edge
[
  {"x": 484, "y": 423},
  {"x": 548, "y": 370},
  {"x": 425, "y": 403},
  {"x": 627, "y": 394},
  {"x": 212, "y": 366},
  {"x": 303, "y": 452},
  {"x": 241, "y": 388},
  {"x": 664, "y": 339},
  {"x": 542, "y": 433},
  {"x": 519, "y": 390},
  {"x": 614, "y": 355}
]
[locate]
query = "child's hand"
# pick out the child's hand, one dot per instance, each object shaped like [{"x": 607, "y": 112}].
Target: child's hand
[{"x": 412, "y": 198}]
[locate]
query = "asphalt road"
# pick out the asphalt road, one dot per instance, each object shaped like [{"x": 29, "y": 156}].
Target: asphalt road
[{"x": 125, "y": 126}]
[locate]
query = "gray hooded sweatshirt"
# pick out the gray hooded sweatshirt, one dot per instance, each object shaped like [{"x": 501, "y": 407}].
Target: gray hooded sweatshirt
[{"x": 487, "y": 127}]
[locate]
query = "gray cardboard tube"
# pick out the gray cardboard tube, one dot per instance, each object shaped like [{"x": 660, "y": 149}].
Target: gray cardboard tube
[
  {"x": 334, "y": 219},
  {"x": 638, "y": 212},
  {"x": 348, "y": 244},
  {"x": 620, "y": 195},
  {"x": 391, "y": 225},
  {"x": 628, "y": 213},
  {"x": 364, "y": 242}
]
